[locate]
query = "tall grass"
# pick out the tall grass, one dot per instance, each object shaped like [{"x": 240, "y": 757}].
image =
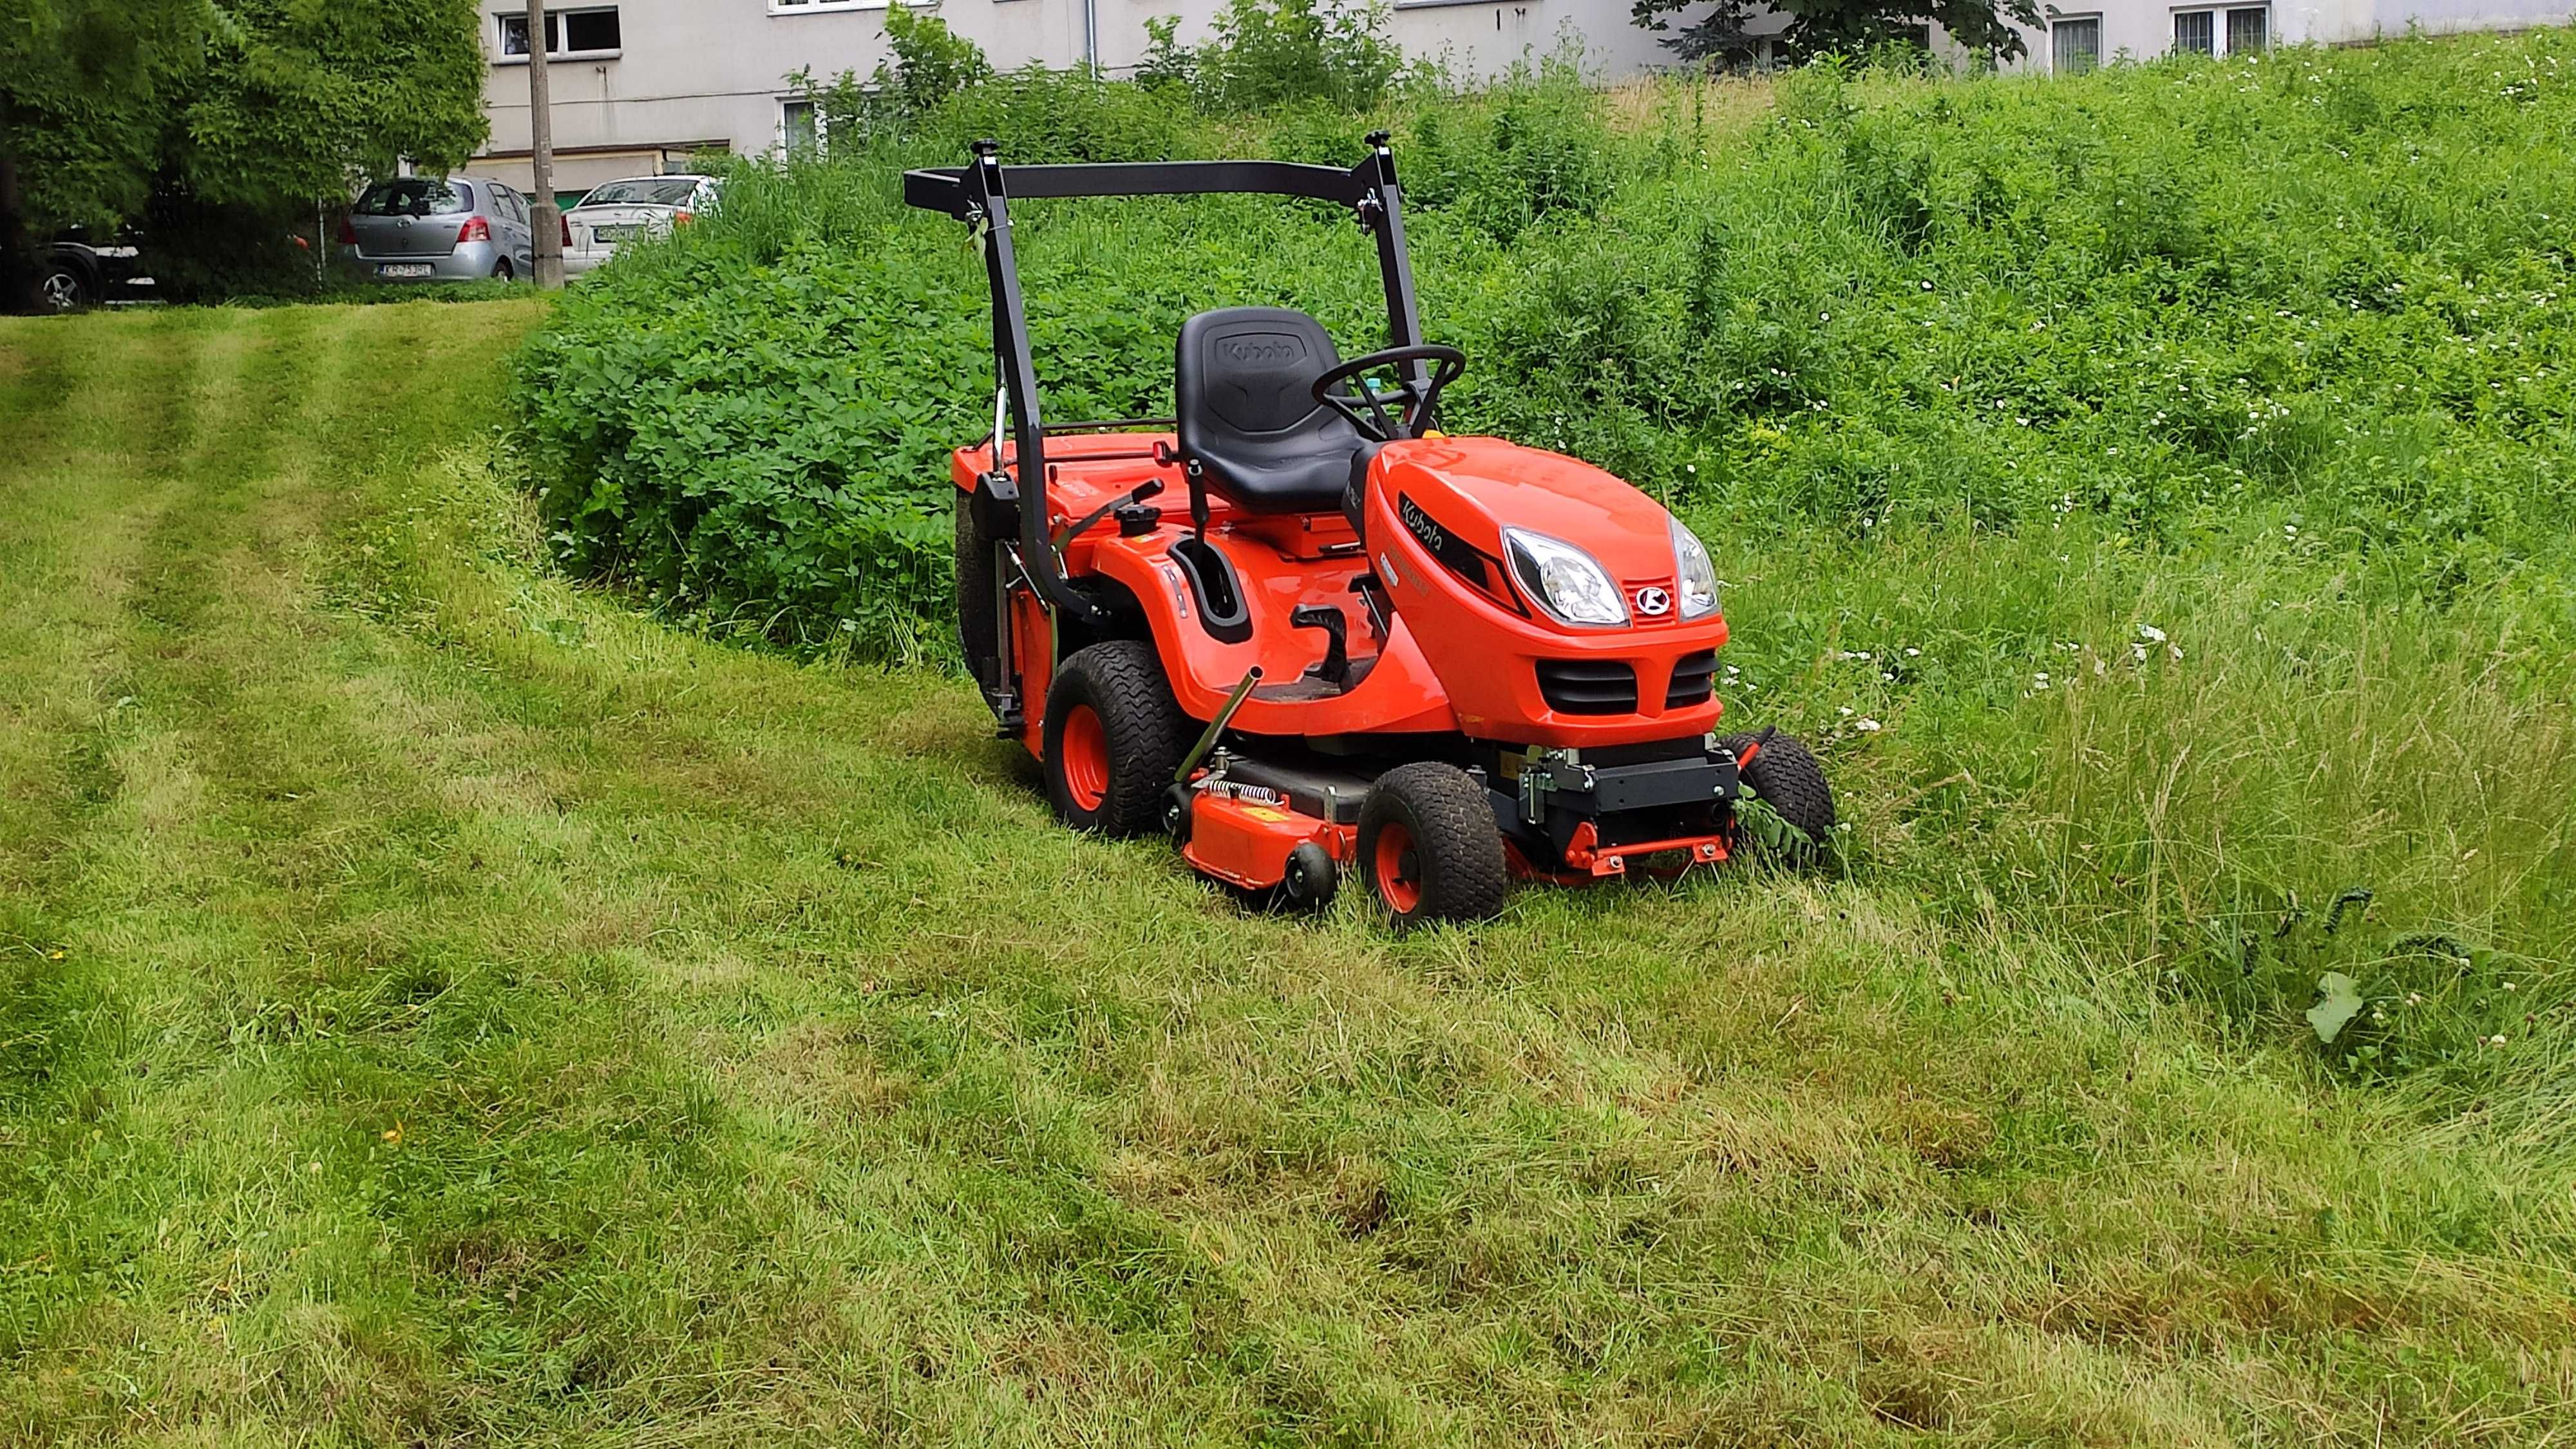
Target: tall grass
[{"x": 2151, "y": 487}]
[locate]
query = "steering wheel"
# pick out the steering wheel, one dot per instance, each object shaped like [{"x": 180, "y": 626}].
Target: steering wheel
[{"x": 1419, "y": 397}]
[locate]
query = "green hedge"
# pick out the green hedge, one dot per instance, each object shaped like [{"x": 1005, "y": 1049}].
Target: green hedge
[{"x": 2151, "y": 296}]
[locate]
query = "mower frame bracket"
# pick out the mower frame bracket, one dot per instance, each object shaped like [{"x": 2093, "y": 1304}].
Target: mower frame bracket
[{"x": 979, "y": 194}]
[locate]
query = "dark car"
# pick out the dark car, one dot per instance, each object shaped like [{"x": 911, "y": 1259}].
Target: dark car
[{"x": 81, "y": 272}]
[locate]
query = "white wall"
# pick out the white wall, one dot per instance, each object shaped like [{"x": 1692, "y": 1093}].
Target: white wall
[
  {"x": 2145, "y": 30},
  {"x": 712, "y": 72},
  {"x": 696, "y": 72}
]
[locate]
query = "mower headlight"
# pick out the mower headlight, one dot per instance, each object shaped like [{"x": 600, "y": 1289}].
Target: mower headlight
[
  {"x": 1565, "y": 580},
  {"x": 1694, "y": 577}
]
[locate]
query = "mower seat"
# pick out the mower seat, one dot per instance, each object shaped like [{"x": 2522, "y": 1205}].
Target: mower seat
[{"x": 1248, "y": 423}]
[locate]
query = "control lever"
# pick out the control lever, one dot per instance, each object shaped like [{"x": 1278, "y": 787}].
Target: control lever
[
  {"x": 1373, "y": 601},
  {"x": 1336, "y": 668},
  {"x": 1142, "y": 491}
]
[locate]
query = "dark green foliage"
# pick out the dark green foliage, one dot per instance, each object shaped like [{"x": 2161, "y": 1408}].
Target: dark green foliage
[
  {"x": 240, "y": 251},
  {"x": 85, "y": 93},
  {"x": 294, "y": 97}
]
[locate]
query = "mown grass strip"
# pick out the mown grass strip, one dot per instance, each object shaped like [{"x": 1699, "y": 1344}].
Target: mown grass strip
[{"x": 485, "y": 1014}]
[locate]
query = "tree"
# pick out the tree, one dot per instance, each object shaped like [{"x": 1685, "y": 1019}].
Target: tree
[
  {"x": 251, "y": 108},
  {"x": 1983, "y": 27},
  {"x": 82, "y": 109}
]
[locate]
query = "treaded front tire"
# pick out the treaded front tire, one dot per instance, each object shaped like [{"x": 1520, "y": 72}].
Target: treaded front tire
[
  {"x": 1785, "y": 776},
  {"x": 1428, "y": 846},
  {"x": 1112, "y": 739}
]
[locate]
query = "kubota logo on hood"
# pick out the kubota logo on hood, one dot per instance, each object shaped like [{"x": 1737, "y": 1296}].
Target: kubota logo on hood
[
  {"x": 1653, "y": 601},
  {"x": 1433, "y": 536}
]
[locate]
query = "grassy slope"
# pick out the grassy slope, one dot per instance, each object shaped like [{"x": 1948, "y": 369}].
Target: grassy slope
[{"x": 441, "y": 1006}]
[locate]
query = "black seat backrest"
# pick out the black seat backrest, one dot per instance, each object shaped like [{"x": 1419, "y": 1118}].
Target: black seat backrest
[{"x": 1242, "y": 384}]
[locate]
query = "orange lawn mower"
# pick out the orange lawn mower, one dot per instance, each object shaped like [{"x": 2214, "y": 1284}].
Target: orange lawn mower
[{"x": 1366, "y": 645}]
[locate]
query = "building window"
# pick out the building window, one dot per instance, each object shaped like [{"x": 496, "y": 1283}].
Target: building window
[
  {"x": 2248, "y": 30},
  {"x": 800, "y": 128},
  {"x": 2196, "y": 32},
  {"x": 811, "y": 7},
  {"x": 2075, "y": 44},
  {"x": 570, "y": 34}
]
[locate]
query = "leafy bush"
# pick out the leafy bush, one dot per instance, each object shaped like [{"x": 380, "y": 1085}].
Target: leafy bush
[
  {"x": 1271, "y": 52},
  {"x": 1896, "y": 301},
  {"x": 930, "y": 64},
  {"x": 1532, "y": 148}
]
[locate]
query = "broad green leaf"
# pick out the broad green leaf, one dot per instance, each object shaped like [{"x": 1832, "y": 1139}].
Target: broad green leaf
[{"x": 2339, "y": 1001}]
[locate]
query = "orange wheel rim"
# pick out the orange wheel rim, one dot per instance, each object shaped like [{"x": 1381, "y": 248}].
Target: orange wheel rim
[
  {"x": 1397, "y": 868},
  {"x": 1085, "y": 766}
]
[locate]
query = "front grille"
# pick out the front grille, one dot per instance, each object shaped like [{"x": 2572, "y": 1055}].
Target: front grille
[
  {"x": 1588, "y": 686},
  {"x": 1690, "y": 679}
]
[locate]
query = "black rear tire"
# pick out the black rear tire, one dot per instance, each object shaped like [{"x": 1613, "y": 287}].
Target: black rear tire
[
  {"x": 976, "y": 609},
  {"x": 1785, "y": 776},
  {"x": 1111, "y": 782},
  {"x": 1428, "y": 846}
]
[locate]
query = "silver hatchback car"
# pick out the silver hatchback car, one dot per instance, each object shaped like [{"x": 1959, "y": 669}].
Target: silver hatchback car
[{"x": 439, "y": 229}]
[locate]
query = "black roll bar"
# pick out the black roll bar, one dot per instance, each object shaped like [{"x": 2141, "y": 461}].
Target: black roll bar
[{"x": 979, "y": 195}]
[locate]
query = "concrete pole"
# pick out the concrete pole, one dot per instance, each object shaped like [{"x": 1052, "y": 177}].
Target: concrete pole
[{"x": 543, "y": 218}]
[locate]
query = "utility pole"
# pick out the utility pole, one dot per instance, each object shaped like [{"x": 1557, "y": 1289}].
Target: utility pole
[{"x": 543, "y": 218}]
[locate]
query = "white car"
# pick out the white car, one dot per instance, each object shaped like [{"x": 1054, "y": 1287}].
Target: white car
[{"x": 615, "y": 212}]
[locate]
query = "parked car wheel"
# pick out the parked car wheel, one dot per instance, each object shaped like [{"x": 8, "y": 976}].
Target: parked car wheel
[
  {"x": 66, "y": 288},
  {"x": 501, "y": 271}
]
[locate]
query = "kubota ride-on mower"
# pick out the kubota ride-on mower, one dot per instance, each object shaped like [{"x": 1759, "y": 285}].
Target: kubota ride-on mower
[{"x": 1362, "y": 643}]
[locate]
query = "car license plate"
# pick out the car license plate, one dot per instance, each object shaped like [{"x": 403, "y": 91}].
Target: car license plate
[
  {"x": 404, "y": 269},
  {"x": 613, "y": 233}
]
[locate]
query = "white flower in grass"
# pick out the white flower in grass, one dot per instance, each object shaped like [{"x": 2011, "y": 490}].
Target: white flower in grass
[
  {"x": 1866, "y": 725},
  {"x": 2151, "y": 633}
]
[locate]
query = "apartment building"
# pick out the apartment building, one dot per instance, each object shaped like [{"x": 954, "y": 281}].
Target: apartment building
[
  {"x": 640, "y": 85},
  {"x": 2076, "y": 37}
]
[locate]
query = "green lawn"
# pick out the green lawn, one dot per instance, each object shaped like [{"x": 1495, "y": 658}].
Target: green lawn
[{"x": 442, "y": 1006}]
